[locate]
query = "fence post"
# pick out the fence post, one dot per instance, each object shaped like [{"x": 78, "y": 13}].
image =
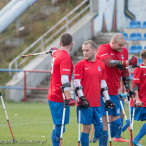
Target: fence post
[
  {"x": 67, "y": 25},
  {"x": 91, "y": 6},
  {"x": 24, "y": 86},
  {"x": 42, "y": 44}
]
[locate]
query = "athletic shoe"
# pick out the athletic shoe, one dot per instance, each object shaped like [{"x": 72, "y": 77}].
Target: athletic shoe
[
  {"x": 70, "y": 102},
  {"x": 120, "y": 139},
  {"x": 137, "y": 143}
]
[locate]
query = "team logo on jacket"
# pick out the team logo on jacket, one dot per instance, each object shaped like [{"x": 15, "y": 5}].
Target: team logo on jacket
[
  {"x": 99, "y": 68},
  {"x": 122, "y": 57}
]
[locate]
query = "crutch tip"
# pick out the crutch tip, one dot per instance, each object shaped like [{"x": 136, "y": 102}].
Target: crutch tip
[
  {"x": 14, "y": 141},
  {"x": 22, "y": 56}
]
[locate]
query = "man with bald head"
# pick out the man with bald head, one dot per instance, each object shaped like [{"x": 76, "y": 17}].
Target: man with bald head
[{"x": 114, "y": 55}]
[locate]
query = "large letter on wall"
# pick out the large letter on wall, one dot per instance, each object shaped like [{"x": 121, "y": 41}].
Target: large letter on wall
[{"x": 106, "y": 17}]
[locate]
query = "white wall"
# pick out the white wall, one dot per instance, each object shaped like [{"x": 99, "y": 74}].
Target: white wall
[{"x": 110, "y": 10}]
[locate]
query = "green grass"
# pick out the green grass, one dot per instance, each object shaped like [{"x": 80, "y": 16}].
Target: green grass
[{"x": 32, "y": 121}]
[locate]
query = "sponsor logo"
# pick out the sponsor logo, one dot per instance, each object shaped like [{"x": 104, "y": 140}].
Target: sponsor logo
[
  {"x": 99, "y": 68},
  {"x": 66, "y": 69},
  {"x": 135, "y": 79},
  {"x": 101, "y": 119},
  {"x": 76, "y": 74},
  {"x": 86, "y": 68},
  {"x": 122, "y": 57},
  {"x": 144, "y": 74},
  {"x": 104, "y": 54},
  {"x": 112, "y": 54},
  {"x": 118, "y": 110}
]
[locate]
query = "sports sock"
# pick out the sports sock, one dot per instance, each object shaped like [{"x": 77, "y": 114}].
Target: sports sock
[
  {"x": 54, "y": 141},
  {"x": 119, "y": 131},
  {"x": 84, "y": 139},
  {"x": 141, "y": 133},
  {"x": 114, "y": 126},
  {"x": 103, "y": 138}
]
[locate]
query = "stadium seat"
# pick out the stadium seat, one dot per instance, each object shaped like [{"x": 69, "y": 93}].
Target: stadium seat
[
  {"x": 139, "y": 36},
  {"x": 144, "y": 36},
  {"x": 135, "y": 49},
  {"x": 133, "y": 36},
  {"x": 139, "y": 61},
  {"x": 138, "y": 24},
  {"x": 144, "y": 24},
  {"x": 125, "y": 35},
  {"x": 132, "y": 24}
]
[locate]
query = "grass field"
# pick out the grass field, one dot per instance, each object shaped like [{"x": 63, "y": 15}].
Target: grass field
[{"x": 31, "y": 124}]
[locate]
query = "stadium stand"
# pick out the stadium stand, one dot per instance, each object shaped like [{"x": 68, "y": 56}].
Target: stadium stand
[
  {"x": 135, "y": 49},
  {"x": 144, "y": 24}
]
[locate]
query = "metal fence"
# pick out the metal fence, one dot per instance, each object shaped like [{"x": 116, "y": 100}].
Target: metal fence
[
  {"x": 25, "y": 87},
  {"x": 63, "y": 25}
]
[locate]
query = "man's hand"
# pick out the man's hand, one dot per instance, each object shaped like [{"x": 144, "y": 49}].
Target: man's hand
[
  {"x": 131, "y": 93},
  {"x": 84, "y": 102},
  {"x": 139, "y": 103},
  {"x": 52, "y": 50},
  {"x": 120, "y": 66},
  {"x": 109, "y": 103},
  {"x": 133, "y": 61},
  {"x": 70, "y": 102}
]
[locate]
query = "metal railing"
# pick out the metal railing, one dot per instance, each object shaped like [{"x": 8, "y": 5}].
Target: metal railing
[
  {"x": 63, "y": 25},
  {"x": 25, "y": 87}
]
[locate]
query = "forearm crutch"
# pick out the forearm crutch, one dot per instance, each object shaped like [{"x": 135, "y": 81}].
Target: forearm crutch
[
  {"x": 63, "y": 117},
  {"x": 79, "y": 121},
  {"x": 108, "y": 124},
  {"x": 7, "y": 116},
  {"x": 131, "y": 141},
  {"x": 109, "y": 130},
  {"x": 125, "y": 117},
  {"x": 133, "y": 114},
  {"x": 79, "y": 116}
]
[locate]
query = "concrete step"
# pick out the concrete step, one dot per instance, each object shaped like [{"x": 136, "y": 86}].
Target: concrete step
[
  {"x": 78, "y": 58},
  {"x": 39, "y": 91},
  {"x": 103, "y": 38},
  {"x": 40, "y": 96},
  {"x": 37, "y": 100},
  {"x": 43, "y": 86},
  {"x": 46, "y": 82}
]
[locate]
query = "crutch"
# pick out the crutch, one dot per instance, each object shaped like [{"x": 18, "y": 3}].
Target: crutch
[
  {"x": 7, "y": 117},
  {"x": 79, "y": 117},
  {"x": 63, "y": 117},
  {"x": 131, "y": 142},
  {"x": 108, "y": 124},
  {"x": 134, "y": 112},
  {"x": 124, "y": 113}
]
